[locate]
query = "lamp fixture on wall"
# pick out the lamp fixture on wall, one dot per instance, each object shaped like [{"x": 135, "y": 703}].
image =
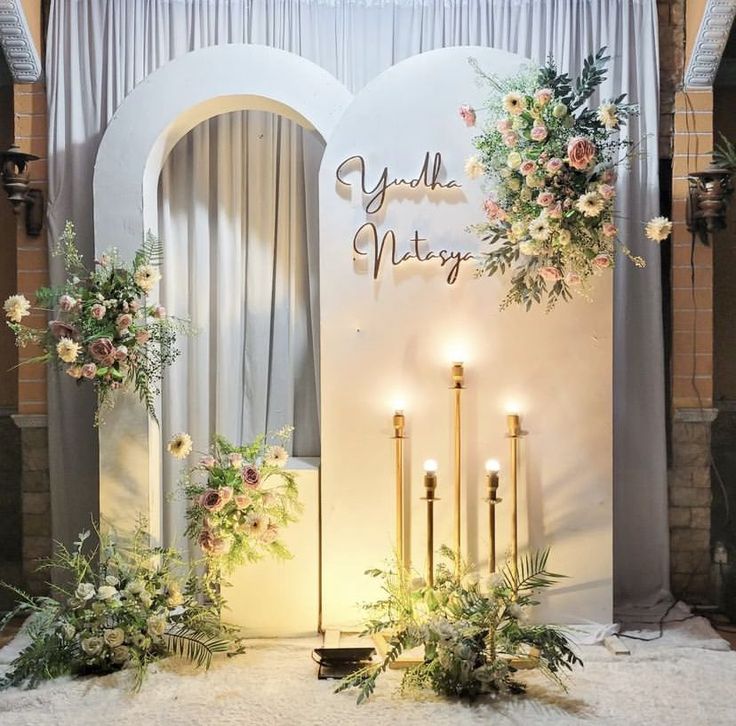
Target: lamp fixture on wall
[
  {"x": 14, "y": 171},
  {"x": 709, "y": 192}
]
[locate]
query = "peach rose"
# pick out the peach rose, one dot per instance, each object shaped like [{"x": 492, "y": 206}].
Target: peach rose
[
  {"x": 103, "y": 351},
  {"x": 467, "y": 114},
  {"x": 601, "y": 262},
  {"x": 538, "y": 133},
  {"x": 98, "y": 311},
  {"x": 545, "y": 199},
  {"x": 553, "y": 165},
  {"x": 74, "y": 371},
  {"x": 227, "y": 494},
  {"x": 510, "y": 139},
  {"x": 242, "y": 501},
  {"x": 142, "y": 337},
  {"x": 89, "y": 370},
  {"x": 550, "y": 274},
  {"x": 124, "y": 321},
  {"x": 527, "y": 167},
  {"x": 580, "y": 152},
  {"x": 66, "y": 303}
]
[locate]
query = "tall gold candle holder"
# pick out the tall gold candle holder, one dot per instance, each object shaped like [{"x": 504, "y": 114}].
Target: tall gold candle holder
[
  {"x": 458, "y": 378},
  {"x": 430, "y": 486},
  {"x": 513, "y": 426},
  {"x": 398, "y": 437},
  {"x": 492, "y": 469}
]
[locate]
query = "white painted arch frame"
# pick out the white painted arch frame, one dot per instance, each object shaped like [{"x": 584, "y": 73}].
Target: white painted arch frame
[{"x": 173, "y": 100}]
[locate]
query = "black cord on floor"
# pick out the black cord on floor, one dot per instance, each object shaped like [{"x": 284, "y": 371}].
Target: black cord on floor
[{"x": 660, "y": 623}]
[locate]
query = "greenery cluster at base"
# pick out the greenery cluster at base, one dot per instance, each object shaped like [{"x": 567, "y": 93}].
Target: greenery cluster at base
[
  {"x": 124, "y": 609},
  {"x": 470, "y": 632}
]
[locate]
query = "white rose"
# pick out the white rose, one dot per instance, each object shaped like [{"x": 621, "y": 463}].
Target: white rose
[
  {"x": 156, "y": 626},
  {"x": 85, "y": 591},
  {"x": 106, "y": 592},
  {"x": 92, "y": 646},
  {"x": 114, "y": 637}
]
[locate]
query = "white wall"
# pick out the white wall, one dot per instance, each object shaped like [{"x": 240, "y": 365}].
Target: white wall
[{"x": 395, "y": 338}]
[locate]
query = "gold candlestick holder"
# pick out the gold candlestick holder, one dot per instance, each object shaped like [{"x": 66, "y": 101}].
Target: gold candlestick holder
[
  {"x": 513, "y": 426},
  {"x": 458, "y": 379},
  {"x": 493, "y": 500},
  {"x": 430, "y": 486},
  {"x": 399, "y": 423}
]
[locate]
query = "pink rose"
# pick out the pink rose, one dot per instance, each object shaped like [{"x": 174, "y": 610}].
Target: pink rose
[
  {"x": 543, "y": 96},
  {"x": 601, "y": 262},
  {"x": 609, "y": 229},
  {"x": 89, "y": 370},
  {"x": 98, "y": 311},
  {"x": 492, "y": 210},
  {"x": 580, "y": 152},
  {"x": 572, "y": 278},
  {"x": 121, "y": 353},
  {"x": 159, "y": 312},
  {"x": 554, "y": 165},
  {"x": 607, "y": 191},
  {"x": 60, "y": 329},
  {"x": 251, "y": 477},
  {"x": 66, "y": 303},
  {"x": 550, "y": 274},
  {"x": 467, "y": 114},
  {"x": 555, "y": 211},
  {"x": 124, "y": 321},
  {"x": 103, "y": 351},
  {"x": 207, "y": 462},
  {"x": 206, "y": 540},
  {"x": 142, "y": 337},
  {"x": 545, "y": 199},
  {"x": 242, "y": 501},
  {"x": 538, "y": 133},
  {"x": 134, "y": 305},
  {"x": 74, "y": 372},
  {"x": 211, "y": 500},
  {"x": 227, "y": 494},
  {"x": 527, "y": 167},
  {"x": 503, "y": 126},
  {"x": 510, "y": 139},
  {"x": 270, "y": 534},
  {"x": 608, "y": 176}
]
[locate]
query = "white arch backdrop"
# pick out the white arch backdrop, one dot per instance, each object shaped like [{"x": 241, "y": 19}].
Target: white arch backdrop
[{"x": 173, "y": 100}]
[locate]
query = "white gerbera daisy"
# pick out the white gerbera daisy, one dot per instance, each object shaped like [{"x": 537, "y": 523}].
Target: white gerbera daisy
[
  {"x": 608, "y": 115},
  {"x": 180, "y": 445},
  {"x": 67, "y": 350},
  {"x": 590, "y": 204},
  {"x": 658, "y": 229},
  {"x": 146, "y": 276},
  {"x": 539, "y": 229},
  {"x": 514, "y": 103},
  {"x": 474, "y": 167},
  {"x": 276, "y": 456},
  {"x": 17, "y": 307}
]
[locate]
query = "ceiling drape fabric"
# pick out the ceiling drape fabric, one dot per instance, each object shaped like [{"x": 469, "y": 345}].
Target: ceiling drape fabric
[{"x": 238, "y": 206}]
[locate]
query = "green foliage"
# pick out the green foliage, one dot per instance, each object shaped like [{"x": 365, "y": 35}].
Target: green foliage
[
  {"x": 470, "y": 633},
  {"x": 725, "y": 154}
]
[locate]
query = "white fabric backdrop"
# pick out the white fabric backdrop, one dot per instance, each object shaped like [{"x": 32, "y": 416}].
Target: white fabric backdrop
[{"x": 99, "y": 49}]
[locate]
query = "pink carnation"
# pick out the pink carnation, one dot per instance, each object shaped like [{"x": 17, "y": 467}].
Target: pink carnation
[{"x": 467, "y": 114}]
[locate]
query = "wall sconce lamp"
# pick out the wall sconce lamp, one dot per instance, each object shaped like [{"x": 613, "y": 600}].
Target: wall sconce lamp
[
  {"x": 14, "y": 172},
  {"x": 709, "y": 192}
]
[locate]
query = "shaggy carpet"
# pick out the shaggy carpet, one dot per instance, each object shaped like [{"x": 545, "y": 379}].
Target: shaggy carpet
[{"x": 686, "y": 677}]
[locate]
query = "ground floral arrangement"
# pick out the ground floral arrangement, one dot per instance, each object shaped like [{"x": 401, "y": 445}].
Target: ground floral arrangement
[
  {"x": 123, "y": 609},
  {"x": 103, "y": 330},
  {"x": 239, "y": 500},
  {"x": 471, "y": 633},
  {"x": 551, "y": 162}
]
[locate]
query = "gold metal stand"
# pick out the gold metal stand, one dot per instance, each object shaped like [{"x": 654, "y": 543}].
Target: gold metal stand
[
  {"x": 398, "y": 437},
  {"x": 458, "y": 376},
  {"x": 493, "y": 500},
  {"x": 513, "y": 425},
  {"x": 430, "y": 485}
]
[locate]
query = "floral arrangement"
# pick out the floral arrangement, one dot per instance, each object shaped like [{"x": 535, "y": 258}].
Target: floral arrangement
[
  {"x": 124, "y": 609},
  {"x": 103, "y": 330},
  {"x": 552, "y": 161},
  {"x": 470, "y": 633},
  {"x": 240, "y": 498}
]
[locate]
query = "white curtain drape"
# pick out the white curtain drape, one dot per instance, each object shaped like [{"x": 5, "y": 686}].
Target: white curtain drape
[{"x": 98, "y": 50}]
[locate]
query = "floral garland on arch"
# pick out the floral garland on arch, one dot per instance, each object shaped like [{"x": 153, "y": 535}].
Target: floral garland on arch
[
  {"x": 239, "y": 500},
  {"x": 552, "y": 163},
  {"x": 103, "y": 330}
]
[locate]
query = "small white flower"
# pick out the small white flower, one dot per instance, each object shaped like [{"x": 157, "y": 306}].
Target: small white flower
[
  {"x": 180, "y": 445},
  {"x": 16, "y": 308},
  {"x": 608, "y": 115},
  {"x": 474, "y": 167},
  {"x": 67, "y": 350},
  {"x": 146, "y": 276},
  {"x": 590, "y": 204},
  {"x": 658, "y": 229},
  {"x": 276, "y": 456},
  {"x": 85, "y": 591}
]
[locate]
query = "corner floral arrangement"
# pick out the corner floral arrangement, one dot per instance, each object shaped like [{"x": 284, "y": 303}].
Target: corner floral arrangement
[
  {"x": 551, "y": 162},
  {"x": 103, "y": 331},
  {"x": 239, "y": 500},
  {"x": 473, "y": 635},
  {"x": 123, "y": 609}
]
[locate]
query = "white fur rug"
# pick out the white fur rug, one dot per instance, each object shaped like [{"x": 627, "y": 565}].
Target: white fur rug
[{"x": 687, "y": 677}]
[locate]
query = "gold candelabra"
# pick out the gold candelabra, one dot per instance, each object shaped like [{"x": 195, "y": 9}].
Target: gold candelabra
[
  {"x": 430, "y": 485},
  {"x": 513, "y": 426},
  {"x": 492, "y": 468},
  {"x": 398, "y": 437},
  {"x": 458, "y": 376}
]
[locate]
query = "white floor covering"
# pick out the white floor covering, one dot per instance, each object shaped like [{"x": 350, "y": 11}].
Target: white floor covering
[{"x": 687, "y": 677}]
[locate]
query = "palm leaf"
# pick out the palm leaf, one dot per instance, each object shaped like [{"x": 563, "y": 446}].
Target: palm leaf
[
  {"x": 195, "y": 646},
  {"x": 532, "y": 573}
]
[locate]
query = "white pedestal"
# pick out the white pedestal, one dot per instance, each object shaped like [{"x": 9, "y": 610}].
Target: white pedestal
[{"x": 280, "y": 598}]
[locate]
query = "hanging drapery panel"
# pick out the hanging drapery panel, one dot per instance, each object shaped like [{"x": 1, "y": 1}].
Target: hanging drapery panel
[{"x": 98, "y": 50}]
